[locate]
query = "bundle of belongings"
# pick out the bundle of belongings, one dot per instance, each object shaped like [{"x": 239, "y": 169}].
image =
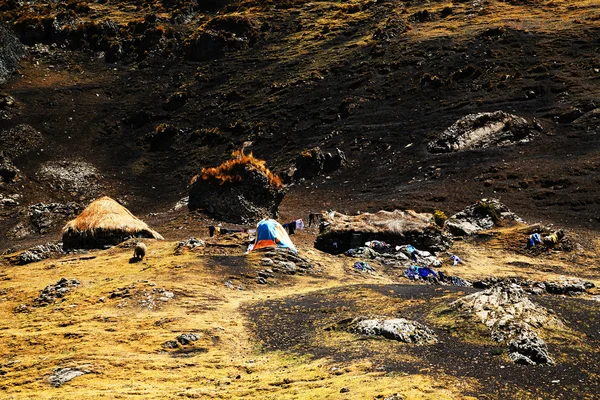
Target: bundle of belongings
[
  {"x": 549, "y": 241},
  {"x": 363, "y": 266},
  {"x": 414, "y": 272},
  {"x": 217, "y": 230}
]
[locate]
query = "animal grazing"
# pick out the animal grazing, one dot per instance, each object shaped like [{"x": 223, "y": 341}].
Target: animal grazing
[
  {"x": 139, "y": 251},
  {"x": 314, "y": 218}
]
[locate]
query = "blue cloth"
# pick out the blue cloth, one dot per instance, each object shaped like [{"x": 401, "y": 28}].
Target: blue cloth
[{"x": 424, "y": 272}]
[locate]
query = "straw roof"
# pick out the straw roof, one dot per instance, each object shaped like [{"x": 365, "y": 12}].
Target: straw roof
[{"x": 105, "y": 214}]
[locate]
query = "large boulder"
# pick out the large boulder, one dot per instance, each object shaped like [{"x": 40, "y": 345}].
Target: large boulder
[
  {"x": 483, "y": 130},
  {"x": 339, "y": 232},
  {"x": 242, "y": 190},
  {"x": 483, "y": 215},
  {"x": 11, "y": 51},
  {"x": 399, "y": 329}
]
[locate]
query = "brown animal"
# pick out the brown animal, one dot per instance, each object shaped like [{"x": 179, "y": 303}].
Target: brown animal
[
  {"x": 139, "y": 251},
  {"x": 314, "y": 218}
]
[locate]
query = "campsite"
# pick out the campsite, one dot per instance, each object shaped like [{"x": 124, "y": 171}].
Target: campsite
[{"x": 262, "y": 199}]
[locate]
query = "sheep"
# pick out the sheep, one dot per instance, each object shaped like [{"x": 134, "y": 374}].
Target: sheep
[{"x": 139, "y": 251}]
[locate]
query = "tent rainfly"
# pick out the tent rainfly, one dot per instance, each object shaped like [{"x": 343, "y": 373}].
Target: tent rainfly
[
  {"x": 104, "y": 223},
  {"x": 270, "y": 233}
]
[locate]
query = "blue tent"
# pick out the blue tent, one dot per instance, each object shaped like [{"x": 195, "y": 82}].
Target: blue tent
[{"x": 270, "y": 233}]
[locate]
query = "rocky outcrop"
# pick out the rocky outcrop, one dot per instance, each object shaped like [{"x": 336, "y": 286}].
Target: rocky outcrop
[
  {"x": 562, "y": 286},
  {"x": 399, "y": 329},
  {"x": 313, "y": 162},
  {"x": 483, "y": 215},
  {"x": 483, "y": 130},
  {"x": 512, "y": 317},
  {"x": 241, "y": 190},
  {"x": 11, "y": 51},
  {"x": 60, "y": 376},
  {"x": 40, "y": 252},
  {"x": 338, "y": 232}
]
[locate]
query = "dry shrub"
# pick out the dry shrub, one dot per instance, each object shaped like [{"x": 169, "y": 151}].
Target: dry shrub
[{"x": 236, "y": 169}]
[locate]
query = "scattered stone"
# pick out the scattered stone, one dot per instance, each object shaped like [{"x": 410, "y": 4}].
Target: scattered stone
[
  {"x": 483, "y": 215},
  {"x": 78, "y": 177},
  {"x": 43, "y": 217},
  {"x": 399, "y": 329},
  {"x": 485, "y": 130},
  {"x": 171, "y": 344},
  {"x": 20, "y": 140},
  {"x": 40, "y": 252},
  {"x": 344, "y": 390},
  {"x": 53, "y": 292},
  {"x": 187, "y": 338},
  {"x": 395, "y": 396},
  {"x": 261, "y": 281},
  {"x": 64, "y": 375},
  {"x": 9, "y": 200},
  {"x": 189, "y": 244}
]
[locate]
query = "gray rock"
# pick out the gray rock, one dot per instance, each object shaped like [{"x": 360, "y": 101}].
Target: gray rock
[
  {"x": 187, "y": 338},
  {"x": 399, "y": 329},
  {"x": 529, "y": 349},
  {"x": 289, "y": 267},
  {"x": 53, "y": 292},
  {"x": 267, "y": 262},
  {"x": 64, "y": 375},
  {"x": 483, "y": 215},
  {"x": 484, "y": 130},
  {"x": 11, "y": 52}
]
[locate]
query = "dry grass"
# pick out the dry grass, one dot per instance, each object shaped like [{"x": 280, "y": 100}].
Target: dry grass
[
  {"x": 106, "y": 214},
  {"x": 120, "y": 339},
  {"x": 234, "y": 170},
  {"x": 395, "y": 222}
]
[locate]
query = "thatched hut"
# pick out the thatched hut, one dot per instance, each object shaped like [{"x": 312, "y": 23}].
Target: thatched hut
[{"x": 104, "y": 223}]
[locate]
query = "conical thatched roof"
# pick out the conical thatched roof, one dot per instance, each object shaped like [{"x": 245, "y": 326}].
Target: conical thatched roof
[{"x": 104, "y": 222}]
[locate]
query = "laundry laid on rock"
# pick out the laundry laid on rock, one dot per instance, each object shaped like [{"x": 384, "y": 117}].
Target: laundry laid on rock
[
  {"x": 414, "y": 272},
  {"x": 363, "y": 266},
  {"x": 533, "y": 240},
  {"x": 455, "y": 260}
]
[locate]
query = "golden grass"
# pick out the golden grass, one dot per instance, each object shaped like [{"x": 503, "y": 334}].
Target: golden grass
[
  {"x": 234, "y": 170},
  {"x": 107, "y": 215},
  {"x": 120, "y": 340}
]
